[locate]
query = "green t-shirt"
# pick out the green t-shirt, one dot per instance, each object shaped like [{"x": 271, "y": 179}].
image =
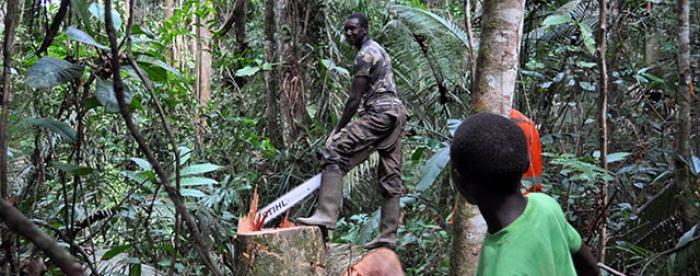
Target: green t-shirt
[{"x": 539, "y": 243}]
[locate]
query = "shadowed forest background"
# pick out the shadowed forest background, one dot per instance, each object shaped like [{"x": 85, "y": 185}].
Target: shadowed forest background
[{"x": 223, "y": 97}]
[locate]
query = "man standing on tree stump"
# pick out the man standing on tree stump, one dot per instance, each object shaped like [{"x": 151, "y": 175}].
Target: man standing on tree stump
[{"x": 381, "y": 123}]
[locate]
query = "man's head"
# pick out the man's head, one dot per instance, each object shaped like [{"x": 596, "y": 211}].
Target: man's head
[
  {"x": 489, "y": 156},
  {"x": 356, "y": 29}
]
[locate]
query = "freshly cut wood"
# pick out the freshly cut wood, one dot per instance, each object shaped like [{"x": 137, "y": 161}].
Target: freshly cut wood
[
  {"x": 378, "y": 262},
  {"x": 290, "y": 251},
  {"x": 341, "y": 256}
]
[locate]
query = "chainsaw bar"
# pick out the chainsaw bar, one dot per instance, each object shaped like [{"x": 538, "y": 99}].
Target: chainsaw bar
[{"x": 282, "y": 204}]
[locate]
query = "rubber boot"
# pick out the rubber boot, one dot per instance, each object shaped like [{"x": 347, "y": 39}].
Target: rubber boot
[
  {"x": 330, "y": 194},
  {"x": 388, "y": 226}
]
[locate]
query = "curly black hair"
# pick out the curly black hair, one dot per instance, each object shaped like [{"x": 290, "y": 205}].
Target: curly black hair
[
  {"x": 361, "y": 18},
  {"x": 491, "y": 151}
]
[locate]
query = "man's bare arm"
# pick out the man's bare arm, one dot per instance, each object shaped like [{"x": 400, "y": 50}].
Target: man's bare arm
[
  {"x": 584, "y": 262},
  {"x": 359, "y": 86}
]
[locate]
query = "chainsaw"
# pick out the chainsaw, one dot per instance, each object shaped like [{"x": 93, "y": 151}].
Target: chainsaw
[{"x": 282, "y": 204}]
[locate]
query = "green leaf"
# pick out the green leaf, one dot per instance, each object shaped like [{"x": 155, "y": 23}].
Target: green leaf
[
  {"x": 57, "y": 127},
  {"x": 80, "y": 9},
  {"x": 91, "y": 103},
  {"x": 138, "y": 29},
  {"x": 50, "y": 71},
  {"x": 151, "y": 62},
  {"x": 106, "y": 96},
  {"x": 199, "y": 169},
  {"x": 143, "y": 163},
  {"x": 196, "y": 181},
  {"x": 98, "y": 10},
  {"x": 588, "y": 39},
  {"x": 556, "y": 19},
  {"x": 83, "y": 37},
  {"x": 135, "y": 270},
  {"x": 192, "y": 193},
  {"x": 616, "y": 157},
  {"x": 435, "y": 165},
  {"x": 696, "y": 165},
  {"x": 71, "y": 168},
  {"x": 247, "y": 71},
  {"x": 115, "y": 251}
]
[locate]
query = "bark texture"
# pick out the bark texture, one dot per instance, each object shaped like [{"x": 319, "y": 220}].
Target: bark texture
[
  {"x": 682, "y": 172},
  {"x": 290, "y": 251},
  {"x": 468, "y": 235},
  {"x": 493, "y": 88},
  {"x": 497, "y": 63},
  {"x": 271, "y": 83},
  {"x": 602, "y": 120}
]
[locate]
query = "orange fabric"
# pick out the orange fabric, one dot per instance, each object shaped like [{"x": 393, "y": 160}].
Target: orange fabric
[{"x": 534, "y": 172}]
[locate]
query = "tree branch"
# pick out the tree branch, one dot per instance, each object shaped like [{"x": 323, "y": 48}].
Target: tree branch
[
  {"x": 53, "y": 29},
  {"x": 238, "y": 7},
  {"x": 20, "y": 224}
]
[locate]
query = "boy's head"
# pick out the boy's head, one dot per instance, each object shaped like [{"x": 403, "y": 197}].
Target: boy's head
[{"x": 489, "y": 156}]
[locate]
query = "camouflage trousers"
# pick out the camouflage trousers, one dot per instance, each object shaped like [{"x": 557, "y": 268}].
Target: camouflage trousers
[{"x": 380, "y": 126}]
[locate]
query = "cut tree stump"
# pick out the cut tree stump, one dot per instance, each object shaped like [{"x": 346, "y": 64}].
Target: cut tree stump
[
  {"x": 288, "y": 251},
  {"x": 301, "y": 251}
]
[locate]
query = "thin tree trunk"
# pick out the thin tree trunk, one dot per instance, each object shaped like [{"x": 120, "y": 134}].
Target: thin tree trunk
[
  {"x": 204, "y": 54},
  {"x": 168, "y": 12},
  {"x": 271, "y": 83},
  {"x": 7, "y": 51},
  {"x": 603, "y": 114},
  {"x": 493, "y": 90},
  {"x": 682, "y": 173}
]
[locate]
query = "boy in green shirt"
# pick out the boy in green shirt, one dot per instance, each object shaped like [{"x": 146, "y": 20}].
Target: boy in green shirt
[{"x": 527, "y": 235}]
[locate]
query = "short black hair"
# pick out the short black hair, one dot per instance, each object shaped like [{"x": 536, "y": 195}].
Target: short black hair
[
  {"x": 360, "y": 18},
  {"x": 490, "y": 150}
]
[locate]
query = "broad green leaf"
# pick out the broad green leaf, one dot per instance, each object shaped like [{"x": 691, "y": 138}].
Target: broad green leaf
[
  {"x": 72, "y": 168},
  {"x": 192, "y": 193},
  {"x": 83, "y": 37},
  {"x": 196, "y": 181},
  {"x": 49, "y": 71},
  {"x": 106, "y": 96},
  {"x": 435, "y": 165},
  {"x": 57, "y": 127},
  {"x": 143, "y": 163},
  {"x": 91, "y": 103},
  {"x": 199, "y": 169},
  {"x": 138, "y": 29},
  {"x": 135, "y": 270},
  {"x": 588, "y": 39},
  {"x": 556, "y": 19},
  {"x": 185, "y": 154},
  {"x": 98, "y": 10},
  {"x": 616, "y": 157},
  {"x": 115, "y": 251},
  {"x": 247, "y": 71},
  {"x": 80, "y": 8},
  {"x": 151, "y": 61}
]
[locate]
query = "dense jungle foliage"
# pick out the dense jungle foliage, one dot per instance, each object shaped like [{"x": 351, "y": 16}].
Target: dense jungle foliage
[{"x": 225, "y": 97}]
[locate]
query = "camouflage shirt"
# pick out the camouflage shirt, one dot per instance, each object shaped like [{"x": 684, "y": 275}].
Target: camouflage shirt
[{"x": 373, "y": 62}]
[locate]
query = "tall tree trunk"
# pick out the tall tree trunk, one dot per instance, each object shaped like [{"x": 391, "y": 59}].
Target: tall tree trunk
[
  {"x": 204, "y": 54},
  {"x": 291, "y": 83},
  {"x": 6, "y": 96},
  {"x": 168, "y": 12},
  {"x": 271, "y": 83},
  {"x": 682, "y": 173},
  {"x": 493, "y": 88},
  {"x": 602, "y": 119}
]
